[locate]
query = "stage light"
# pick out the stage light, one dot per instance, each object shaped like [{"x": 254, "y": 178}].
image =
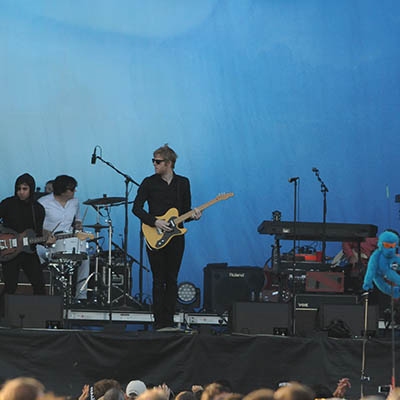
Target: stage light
[{"x": 188, "y": 296}]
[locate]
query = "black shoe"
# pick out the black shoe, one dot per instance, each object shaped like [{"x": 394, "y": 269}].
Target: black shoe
[{"x": 169, "y": 329}]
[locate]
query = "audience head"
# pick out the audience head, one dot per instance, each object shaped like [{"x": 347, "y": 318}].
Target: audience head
[
  {"x": 22, "y": 389},
  {"x": 294, "y": 391},
  {"x": 113, "y": 394},
  {"x": 260, "y": 394},
  {"x": 135, "y": 388},
  {"x": 102, "y": 386},
  {"x": 215, "y": 391},
  {"x": 185, "y": 395},
  {"x": 153, "y": 394}
]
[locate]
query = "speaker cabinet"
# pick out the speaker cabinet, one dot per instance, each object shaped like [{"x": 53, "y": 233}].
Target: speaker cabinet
[
  {"x": 308, "y": 310},
  {"x": 33, "y": 311},
  {"x": 261, "y": 318},
  {"x": 225, "y": 285},
  {"x": 352, "y": 316}
]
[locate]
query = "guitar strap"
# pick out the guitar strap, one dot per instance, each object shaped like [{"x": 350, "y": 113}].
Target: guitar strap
[
  {"x": 178, "y": 194},
  {"x": 34, "y": 218}
]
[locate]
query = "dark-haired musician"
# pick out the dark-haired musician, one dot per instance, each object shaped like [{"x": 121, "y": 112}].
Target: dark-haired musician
[
  {"x": 62, "y": 215},
  {"x": 162, "y": 191},
  {"x": 19, "y": 213}
]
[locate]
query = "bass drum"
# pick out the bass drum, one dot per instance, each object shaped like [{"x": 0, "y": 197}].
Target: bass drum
[{"x": 69, "y": 249}]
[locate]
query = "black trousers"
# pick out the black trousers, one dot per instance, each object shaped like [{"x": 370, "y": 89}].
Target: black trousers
[
  {"x": 165, "y": 264},
  {"x": 30, "y": 264}
]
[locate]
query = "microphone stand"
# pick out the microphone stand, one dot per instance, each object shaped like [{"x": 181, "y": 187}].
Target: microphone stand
[
  {"x": 294, "y": 265},
  {"x": 128, "y": 180},
  {"x": 324, "y": 190}
]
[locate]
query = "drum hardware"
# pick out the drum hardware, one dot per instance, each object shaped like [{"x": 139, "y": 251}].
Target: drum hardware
[
  {"x": 62, "y": 274},
  {"x": 104, "y": 201},
  {"x": 97, "y": 227}
]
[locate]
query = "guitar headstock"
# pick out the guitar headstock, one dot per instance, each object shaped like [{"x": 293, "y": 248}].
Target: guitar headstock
[
  {"x": 84, "y": 235},
  {"x": 224, "y": 196}
]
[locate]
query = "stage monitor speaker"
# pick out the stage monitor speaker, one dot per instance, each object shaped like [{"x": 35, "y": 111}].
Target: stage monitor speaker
[
  {"x": 261, "y": 318},
  {"x": 225, "y": 285},
  {"x": 33, "y": 311},
  {"x": 352, "y": 316}
]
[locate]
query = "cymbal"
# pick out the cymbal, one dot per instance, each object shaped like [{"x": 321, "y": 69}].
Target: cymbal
[
  {"x": 103, "y": 201},
  {"x": 96, "y": 226}
]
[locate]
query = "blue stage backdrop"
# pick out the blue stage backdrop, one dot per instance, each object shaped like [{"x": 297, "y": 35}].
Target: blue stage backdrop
[{"x": 249, "y": 93}]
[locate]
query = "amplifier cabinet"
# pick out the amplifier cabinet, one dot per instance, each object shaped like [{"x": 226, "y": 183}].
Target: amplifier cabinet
[
  {"x": 314, "y": 301},
  {"x": 33, "y": 311},
  {"x": 225, "y": 285},
  {"x": 261, "y": 318},
  {"x": 352, "y": 316},
  {"x": 308, "y": 310},
  {"x": 325, "y": 282}
]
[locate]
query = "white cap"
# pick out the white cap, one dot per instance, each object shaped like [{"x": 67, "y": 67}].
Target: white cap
[{"x": 135, "y": 388}]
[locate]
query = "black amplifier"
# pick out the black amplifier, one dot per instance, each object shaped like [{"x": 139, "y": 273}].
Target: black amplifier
[
  {"x": 309, "y": 310},
  {"x": 315, "y": 301}
]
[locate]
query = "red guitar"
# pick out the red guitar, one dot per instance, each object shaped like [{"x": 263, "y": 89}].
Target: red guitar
[{"x": 13, "y": 243}]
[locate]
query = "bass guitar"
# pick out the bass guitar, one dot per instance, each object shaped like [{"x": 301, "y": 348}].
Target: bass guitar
[
  {"x": 13, "y": 243},
  {"x": 157, "y": 239}
]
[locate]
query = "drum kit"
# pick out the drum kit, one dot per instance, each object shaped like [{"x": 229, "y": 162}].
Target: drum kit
[{"x": 67, "y": 254}]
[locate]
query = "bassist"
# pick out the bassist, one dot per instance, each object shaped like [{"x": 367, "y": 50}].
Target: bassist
[
  {"x": 21, "y": 212},
  {"x": 162, "y": 191}
]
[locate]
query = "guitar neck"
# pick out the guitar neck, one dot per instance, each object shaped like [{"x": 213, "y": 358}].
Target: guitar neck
[
  {"x": 189, "y": 214},
  {"x": 39, "y": 239}
]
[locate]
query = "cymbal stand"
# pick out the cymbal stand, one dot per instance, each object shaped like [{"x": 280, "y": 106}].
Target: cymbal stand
[
  {"x": 95, "y": 294},
  {"x": 109, "y": 259}
]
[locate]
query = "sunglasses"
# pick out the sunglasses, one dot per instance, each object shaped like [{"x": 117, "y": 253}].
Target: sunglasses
[
  {"x": 387, "y": 245},
  {"x": 157, "y": 161}
]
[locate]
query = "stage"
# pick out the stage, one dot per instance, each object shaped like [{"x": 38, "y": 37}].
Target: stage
[{"x": 121, "y": 345}]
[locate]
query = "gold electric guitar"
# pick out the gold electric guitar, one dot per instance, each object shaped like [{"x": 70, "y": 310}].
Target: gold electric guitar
[{"x": 156, "y": 238}]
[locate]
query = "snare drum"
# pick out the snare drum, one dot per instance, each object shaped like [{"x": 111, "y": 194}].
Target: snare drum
[{"x": 69, "y": 249}]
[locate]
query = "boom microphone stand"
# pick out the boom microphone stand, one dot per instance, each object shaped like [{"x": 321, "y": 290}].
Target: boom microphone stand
[
  {"x": 294, "y": 265},
  {"x": 128, "y": 180},
  {"x": 324, "y": 190}
]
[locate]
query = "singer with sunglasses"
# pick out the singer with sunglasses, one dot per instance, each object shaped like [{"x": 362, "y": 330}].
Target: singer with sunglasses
[{"x": 162, "y": 191}]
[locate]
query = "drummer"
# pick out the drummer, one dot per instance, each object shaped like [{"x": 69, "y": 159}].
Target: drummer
[{"x": 62, "y": 215}]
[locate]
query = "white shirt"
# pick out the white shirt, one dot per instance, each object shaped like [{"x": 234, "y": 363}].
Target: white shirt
[{"x": 59, "y": 217}]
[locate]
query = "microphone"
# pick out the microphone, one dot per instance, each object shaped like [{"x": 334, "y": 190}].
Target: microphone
[
  {"x": 294, "y": 179},
  {"x": 315, "y": 170},
  {"x": 94, "y": 156}
]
